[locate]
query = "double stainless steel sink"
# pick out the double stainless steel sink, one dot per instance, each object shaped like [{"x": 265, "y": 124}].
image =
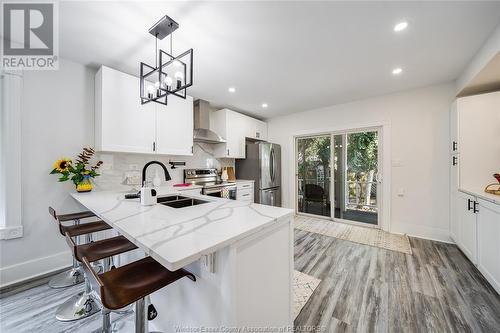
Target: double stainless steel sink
[{"x": 179, "y": 201}]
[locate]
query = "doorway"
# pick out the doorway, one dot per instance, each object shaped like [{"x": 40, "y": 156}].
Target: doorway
[{"x": 338, "y": 176}]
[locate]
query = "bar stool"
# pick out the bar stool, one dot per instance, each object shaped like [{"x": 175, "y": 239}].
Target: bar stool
[
  {"x": 74, "y": 275},
  {"x": 85, "y": 303},
  {"x": 131, "y": 283}
]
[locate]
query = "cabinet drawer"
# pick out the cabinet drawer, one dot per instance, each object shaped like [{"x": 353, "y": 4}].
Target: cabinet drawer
[
  {"x": 244, "y": 186},
  {"x": 244, "y": 194}
]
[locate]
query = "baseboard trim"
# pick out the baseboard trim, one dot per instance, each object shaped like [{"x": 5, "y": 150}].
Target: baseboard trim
[
  {"x": 424, "y": 232},
  {"x": 33, "y": 269}
]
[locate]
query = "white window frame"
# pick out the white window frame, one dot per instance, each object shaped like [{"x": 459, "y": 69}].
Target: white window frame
[{"x": 11, "y": 86}]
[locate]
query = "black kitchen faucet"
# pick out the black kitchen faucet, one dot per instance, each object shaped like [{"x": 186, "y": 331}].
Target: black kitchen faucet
[{"x": 167, "y": 175}]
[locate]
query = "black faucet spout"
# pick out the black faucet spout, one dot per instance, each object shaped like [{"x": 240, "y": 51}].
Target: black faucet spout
[{"x": 165, "y": 171}]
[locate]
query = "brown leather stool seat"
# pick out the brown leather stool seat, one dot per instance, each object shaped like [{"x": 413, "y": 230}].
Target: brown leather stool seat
[
  {"x": 78, "y": 229},
  {"x": 101, "y": 249},
  {"x": 73, "y": 216},
  {"x": 84, "y": 228},
  {"x": 122, "y": 286}
]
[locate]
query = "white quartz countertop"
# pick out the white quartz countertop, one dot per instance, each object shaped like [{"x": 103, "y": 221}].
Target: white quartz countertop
[
  {"x": 176, "y": 237},
  {"x": 479, "y": 192}
]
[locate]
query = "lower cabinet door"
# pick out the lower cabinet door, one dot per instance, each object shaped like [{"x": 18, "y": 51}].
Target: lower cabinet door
[
  {"x": 488, "y": 226},
  {"x": 467, "y": 226}
]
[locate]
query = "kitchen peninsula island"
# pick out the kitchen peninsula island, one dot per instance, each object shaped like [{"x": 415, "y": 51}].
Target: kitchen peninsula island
[{"x": 240, "y": 253}]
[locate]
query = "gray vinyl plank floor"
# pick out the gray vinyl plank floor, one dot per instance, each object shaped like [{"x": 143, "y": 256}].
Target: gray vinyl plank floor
[
  {"x": 363, "y": 289},
  {"x": 369, "y": 289}
]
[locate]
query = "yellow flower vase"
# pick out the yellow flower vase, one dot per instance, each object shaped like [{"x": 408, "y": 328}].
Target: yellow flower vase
[{"x": 84, "y": 186}]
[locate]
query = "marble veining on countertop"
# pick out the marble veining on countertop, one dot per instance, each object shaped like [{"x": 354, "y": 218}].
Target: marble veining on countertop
[{"x": 177, "y": 237}]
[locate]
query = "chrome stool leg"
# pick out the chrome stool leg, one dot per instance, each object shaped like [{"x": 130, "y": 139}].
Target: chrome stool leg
[
  {"x": 81, "y": 305},
  {"x": 70, "y": 277}
]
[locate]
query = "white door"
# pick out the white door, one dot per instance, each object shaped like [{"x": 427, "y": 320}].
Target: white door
[
  {"x": 357, "y": 177},
  {"x": 174, "y": 126},
  {"x": 467, "y": 226}
]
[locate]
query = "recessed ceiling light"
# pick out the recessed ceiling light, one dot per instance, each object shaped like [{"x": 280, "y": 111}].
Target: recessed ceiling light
[
  {"x": 401, "y": 26},
  {"x": 264, "y": 105},
  {"x": 397, "y": 71},
  {"x": 231, "y": 89}
]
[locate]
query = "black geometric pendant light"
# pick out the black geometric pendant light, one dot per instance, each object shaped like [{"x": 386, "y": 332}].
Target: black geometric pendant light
[{"x": 170, "y": 74}]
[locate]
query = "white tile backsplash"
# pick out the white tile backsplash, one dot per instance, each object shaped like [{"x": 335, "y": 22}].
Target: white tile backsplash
[{"x": 116, "y": 165}]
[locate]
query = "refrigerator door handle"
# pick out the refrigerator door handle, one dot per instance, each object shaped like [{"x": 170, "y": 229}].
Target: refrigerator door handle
[
  {"x": 271, "y": 165},
  {"x": 274, "y": 168}
]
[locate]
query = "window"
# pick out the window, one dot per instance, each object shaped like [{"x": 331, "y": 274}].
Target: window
[{"x": 10, "y": 156}]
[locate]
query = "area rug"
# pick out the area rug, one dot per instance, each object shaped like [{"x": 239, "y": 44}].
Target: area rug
[
  {"x": 352, "y": 233},
  {"x": 302, "y": 288}
]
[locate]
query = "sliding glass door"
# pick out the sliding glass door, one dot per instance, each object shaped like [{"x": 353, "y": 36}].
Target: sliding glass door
[
  {"x": 313, "y": 175},
  {"x": 339, "y": 170},
  {"x": 356, "y": 171}
]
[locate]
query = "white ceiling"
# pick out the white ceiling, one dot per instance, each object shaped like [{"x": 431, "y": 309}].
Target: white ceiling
[{"x": 292, "y": 55}]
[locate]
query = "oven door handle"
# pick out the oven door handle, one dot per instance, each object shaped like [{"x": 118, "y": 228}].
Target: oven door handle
[{"x": 215, "y": 190}]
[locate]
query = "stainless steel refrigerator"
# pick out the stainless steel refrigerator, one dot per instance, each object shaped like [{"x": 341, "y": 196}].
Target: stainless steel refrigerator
[{"x": 263, "y": 165}]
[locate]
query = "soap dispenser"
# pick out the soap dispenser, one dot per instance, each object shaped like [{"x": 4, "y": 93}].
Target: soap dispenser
[{"x": 148, "y": 194}]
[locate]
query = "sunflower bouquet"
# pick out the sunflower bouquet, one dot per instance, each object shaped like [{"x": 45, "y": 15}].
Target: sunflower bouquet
[{"x": 79, "y": 171}]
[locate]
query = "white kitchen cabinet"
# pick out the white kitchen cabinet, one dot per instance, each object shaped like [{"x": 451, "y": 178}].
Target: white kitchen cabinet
[
  {"x": 235, "y": 128},
  {"x": 467, "y": 224},
  {"x": 488, "y": 227},
  {"x": 454, "y": 185},
  {"x": 122, "y": 124},
  {"x": 231, "y": 126},
  {"x": 257, "y": 129},
  {"x": 245, "y": 191},
  {"x": 478, "y": 138},
  {"x": 174, "y": 127}
]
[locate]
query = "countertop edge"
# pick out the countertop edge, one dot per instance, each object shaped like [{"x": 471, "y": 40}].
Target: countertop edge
[{"x": 482, "y": 195}]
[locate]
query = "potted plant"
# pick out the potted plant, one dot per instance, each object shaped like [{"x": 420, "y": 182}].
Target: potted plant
[{"x": 79, "y": 171}]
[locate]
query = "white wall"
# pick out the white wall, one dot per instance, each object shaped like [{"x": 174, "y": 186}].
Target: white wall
[
  {"x": 419, "y": 122},
  {"x": 58, "y": 120}
]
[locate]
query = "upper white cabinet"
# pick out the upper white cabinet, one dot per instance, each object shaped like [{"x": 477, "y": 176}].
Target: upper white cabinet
[
  {"x": 478, "y": 138},
  {"x": 231, "y": 126},
  {"x": 174, "y": 127},
  {"x": 256, "y": 129},
  {"x": 235, "y": 128},
  {"x": 122, "y": 124}
]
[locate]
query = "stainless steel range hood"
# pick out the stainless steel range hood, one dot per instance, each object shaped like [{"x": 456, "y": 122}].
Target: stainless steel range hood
[{"x": 202, "y": 132}]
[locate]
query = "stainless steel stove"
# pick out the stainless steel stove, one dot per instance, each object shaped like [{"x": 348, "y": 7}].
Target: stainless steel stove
[{"x": 212, "y": 185}]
